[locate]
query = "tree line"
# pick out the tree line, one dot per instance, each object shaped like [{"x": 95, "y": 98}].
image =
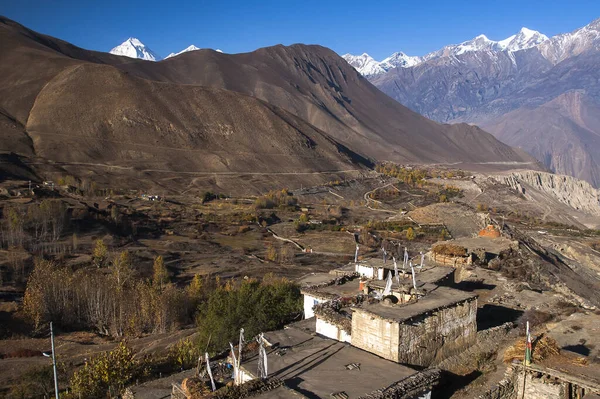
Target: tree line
[
  {"x": 23, "y": 225},
  {"x": 112, "y": 299}
]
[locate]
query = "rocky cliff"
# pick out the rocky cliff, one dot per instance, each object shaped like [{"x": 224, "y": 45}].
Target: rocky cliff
[{"x": 568, "y": 190}]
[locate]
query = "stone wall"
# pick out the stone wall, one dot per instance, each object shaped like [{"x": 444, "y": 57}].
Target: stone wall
[
  {"x": 421, "y": 341},
  {"x": 433, "y": 337},
  {"x": 449, "y": 260},
  {"x": 540, "y": 388},
  {"x": 375, "y": 335},
  {"x": 488, "y": 342},
  {"x": 416, "y": 386},
  {"x": 504, "y": 390}
]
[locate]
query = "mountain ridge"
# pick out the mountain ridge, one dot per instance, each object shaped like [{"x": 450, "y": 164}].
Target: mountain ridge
[
  {"x": 522, "y": 40},
  {"x": 510, "y": 94},
  {"x": 328, "y": 102}
]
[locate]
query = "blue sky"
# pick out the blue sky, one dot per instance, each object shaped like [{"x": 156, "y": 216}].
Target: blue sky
[{"x": 378, "y": 27}]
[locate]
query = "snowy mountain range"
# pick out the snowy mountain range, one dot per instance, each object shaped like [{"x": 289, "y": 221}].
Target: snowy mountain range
[
  {"x": 134, "y": 48},
  {"x": 524, "y": 39},
  {"x": 537, "y": 93},
  {"x": 185, "y": 50}
]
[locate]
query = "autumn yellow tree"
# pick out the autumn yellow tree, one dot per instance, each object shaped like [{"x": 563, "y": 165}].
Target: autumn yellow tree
[
  {"x": 100, "y": 253},
  {"x": 105, "y": 375},
  {"x": 160, "y": 275},
  {"x": 410, "y": 234}
]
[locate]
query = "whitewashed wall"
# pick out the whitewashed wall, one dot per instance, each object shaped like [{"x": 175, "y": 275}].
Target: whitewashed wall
[
  {"x": 332, "y": 331},
  {"x": 309, "y": 302}
]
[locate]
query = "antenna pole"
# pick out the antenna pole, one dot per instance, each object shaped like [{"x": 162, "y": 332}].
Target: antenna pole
[{"x": 54, "y": 362}]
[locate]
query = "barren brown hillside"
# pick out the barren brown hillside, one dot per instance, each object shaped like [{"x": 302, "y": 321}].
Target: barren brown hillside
[{"x": 294, "y": 112}]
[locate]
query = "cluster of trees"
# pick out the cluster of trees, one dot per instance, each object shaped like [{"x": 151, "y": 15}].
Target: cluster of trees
[
  {"x": 106, "y": 374},
  {"x": 83, "y": 186},
  {"x": 447, "y": 193},
  {"x": 26, "y": 224},
  {"x": 110, "y": 300},
  {"x": 283, "y": 254},
  {"x": 397, "y": 226},
  {"x": 272, "y": 199},
  {"x": 209, "y": 196},
  {"x": 410, "y": 176},
  {"x": 253, "y": 305}
]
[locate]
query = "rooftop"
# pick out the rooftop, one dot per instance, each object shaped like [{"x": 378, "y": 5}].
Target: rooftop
[
  {"x": 315, "y": 285},
  {"x": 491, "y": 245},
  {"x": 438, "y": 298},
  {"x": 427, "y": 275},
  {"x": 317, "y": 367}
]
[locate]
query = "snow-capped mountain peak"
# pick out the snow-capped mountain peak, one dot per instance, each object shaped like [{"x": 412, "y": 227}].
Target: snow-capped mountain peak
[
  {"x": 185, "y": 50},
  {"x": 401, "y": 60},
  {"x": 566, "y": 45},
  {"x": 364, "y": 64},
  {"x": 134, "y": 48},
  {"x": 524, "y": 39}
]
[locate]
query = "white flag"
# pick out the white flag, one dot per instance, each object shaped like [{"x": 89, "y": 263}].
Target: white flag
[
  {"x": 235, "y": 365},
  {"x": 212, "y": 381},
  {"x": 262, "y": 357},
  {"x": 356, "y": 255},
  {"x": 396, "y": 270},
  {"x": 422, "y": 260},
  {"x": 388, "y": 285},
  {"x": 412, "y": 270},
  {"x": 240, "y": 347}
]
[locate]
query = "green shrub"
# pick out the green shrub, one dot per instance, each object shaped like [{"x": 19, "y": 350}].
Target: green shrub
[{"x": 252, "y": 305}]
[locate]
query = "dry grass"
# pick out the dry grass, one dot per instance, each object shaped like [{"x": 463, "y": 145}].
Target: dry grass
[
  {"x": 449, "y": 249},
  {"x": 543, "y": 348}
]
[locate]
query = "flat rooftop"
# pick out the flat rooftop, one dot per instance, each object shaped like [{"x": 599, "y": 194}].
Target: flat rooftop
[
  {"x": 491, "y": 245},
  {"x": 438, "y": 298},
  {"x": 316, "y": 367},
  {"x": 349, "y": 288},
  {"x": 427, "y": 275}
]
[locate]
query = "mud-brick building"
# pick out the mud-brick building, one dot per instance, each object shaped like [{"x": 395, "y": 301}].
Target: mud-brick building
[{"x": 437, "y": 326}]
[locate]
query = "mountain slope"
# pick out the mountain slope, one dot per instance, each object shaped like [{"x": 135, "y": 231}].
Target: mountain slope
[
  {"x": 91, "y": 117},
  {"x": 317, "y": 85},
  {"x": 340, "y": 116},
  {"x": 560, "y": 132},
  {"x": 485, "y": 87}
]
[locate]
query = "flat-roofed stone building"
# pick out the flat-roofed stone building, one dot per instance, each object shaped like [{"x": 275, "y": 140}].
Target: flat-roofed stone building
[{"x": 438, "y": 325}]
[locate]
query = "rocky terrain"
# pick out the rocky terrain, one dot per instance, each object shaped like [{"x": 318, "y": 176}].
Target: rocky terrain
[{"x": 575, "y": 193}]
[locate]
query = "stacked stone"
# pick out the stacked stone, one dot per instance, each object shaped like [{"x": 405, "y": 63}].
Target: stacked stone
[{"x": 408, "y": 388}]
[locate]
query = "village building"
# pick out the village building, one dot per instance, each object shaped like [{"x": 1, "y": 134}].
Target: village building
[
  {"x": 318, "y": 288},
  {"x": 414, "y": 321},
  {"x": 562, "y": 376},
  {"x": 464, "y": 251},
  {"x": 311, "y": 366},
  {"x": 427, "y": 330}
]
